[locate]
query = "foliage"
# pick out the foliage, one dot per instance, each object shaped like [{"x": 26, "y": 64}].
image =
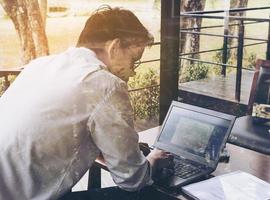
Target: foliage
[
  {"x": 250, "y": 60},
  {"x": 145, "y": 101},
  {"x": 195, "y": 72},
  {"x": 218, "y": 59},
  {"x": 216, "y": 69}
]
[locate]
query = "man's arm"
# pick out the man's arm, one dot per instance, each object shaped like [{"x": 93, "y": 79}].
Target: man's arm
[{"x": 112, "y": 130}]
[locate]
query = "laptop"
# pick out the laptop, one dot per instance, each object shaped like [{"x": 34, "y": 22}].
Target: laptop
[{"x": 195, "y": 136}]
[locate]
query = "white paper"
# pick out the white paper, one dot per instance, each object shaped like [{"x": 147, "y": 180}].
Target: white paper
[{"x": 233, "y": 186}]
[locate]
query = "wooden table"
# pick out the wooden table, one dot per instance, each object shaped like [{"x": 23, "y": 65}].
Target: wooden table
[{"x": 240, "y": 159}]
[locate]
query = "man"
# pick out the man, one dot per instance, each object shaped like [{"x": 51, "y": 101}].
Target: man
[{"x": 64, "y": 110}]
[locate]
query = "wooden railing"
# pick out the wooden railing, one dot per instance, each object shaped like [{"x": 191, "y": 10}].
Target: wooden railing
[{"x": 5, "y": 73}]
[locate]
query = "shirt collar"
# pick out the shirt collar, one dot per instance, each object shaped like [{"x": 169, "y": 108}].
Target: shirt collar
[{"x": 90, "y": 55}]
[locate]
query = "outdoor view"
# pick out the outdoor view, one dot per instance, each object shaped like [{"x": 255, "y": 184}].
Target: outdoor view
[
  {"x": 219, "y": 49},
  {"x": 65, "y": 19}
]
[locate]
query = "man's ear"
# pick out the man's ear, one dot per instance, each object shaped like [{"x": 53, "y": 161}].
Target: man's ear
[{"x": 113, "y": 48}]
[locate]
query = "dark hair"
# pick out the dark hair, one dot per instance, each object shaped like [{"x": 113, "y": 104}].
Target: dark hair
[{"x": 108, "y": 23}]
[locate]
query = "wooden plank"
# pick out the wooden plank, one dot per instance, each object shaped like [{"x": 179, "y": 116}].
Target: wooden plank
[{"x": 11, "y": 71}]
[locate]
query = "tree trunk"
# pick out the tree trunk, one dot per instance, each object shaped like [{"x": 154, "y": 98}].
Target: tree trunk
[
  {"x": 43, "y": 9},
  {"x": 37, "y": 27},
  {"x": 26, "y": 17},
  {"x": 190, "y": 42},
  {"x": 16, "y": 10},
  {"x": 234, "y": 30}
]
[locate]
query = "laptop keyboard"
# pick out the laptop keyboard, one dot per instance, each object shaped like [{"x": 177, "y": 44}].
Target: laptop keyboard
[{"x": 184, "y": 169}]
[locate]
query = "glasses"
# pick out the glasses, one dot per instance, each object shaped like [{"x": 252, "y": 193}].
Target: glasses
[{"x": 137, "y": 64}]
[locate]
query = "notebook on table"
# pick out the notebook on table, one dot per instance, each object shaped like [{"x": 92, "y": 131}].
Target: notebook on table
[
  {"x": 234, "y": 185},
  {"x": 195, "y": 136}
]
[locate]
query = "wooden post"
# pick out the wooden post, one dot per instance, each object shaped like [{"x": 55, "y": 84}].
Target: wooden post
[{"x": 169, "y": 54}]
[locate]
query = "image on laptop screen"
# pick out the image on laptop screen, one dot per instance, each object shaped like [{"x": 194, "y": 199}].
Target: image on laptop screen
[{"x": 194, "y": 132}]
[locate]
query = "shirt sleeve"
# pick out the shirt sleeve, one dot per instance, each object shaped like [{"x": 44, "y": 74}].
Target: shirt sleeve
[{"x": 112, "y": 130}]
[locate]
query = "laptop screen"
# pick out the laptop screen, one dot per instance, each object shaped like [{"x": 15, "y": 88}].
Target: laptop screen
[{"x": 197, "y": 133}]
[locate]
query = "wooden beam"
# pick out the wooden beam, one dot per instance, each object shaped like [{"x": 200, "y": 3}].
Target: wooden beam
[{"x": 169, "y": 54}]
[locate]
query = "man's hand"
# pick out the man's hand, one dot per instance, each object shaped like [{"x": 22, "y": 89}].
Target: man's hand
[{"x": 159, "y": 159}]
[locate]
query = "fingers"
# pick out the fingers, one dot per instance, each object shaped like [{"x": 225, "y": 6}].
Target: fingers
[
  {"x": 161, "y": 153},
  {"x": 164, "y": 155},
  {"x": 160, "y": 159}
]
